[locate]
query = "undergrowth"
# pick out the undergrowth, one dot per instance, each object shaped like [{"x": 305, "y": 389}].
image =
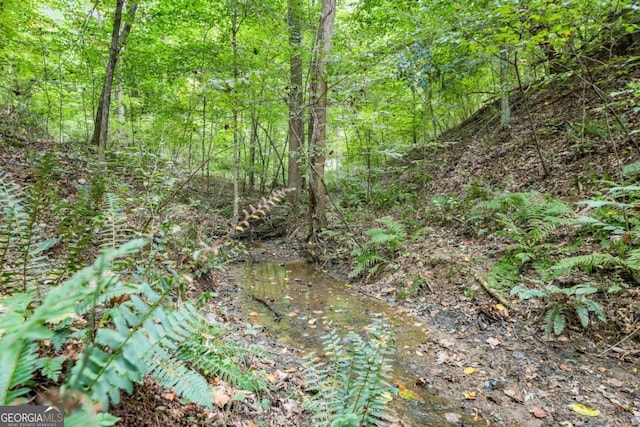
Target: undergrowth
[
  {"x": 96, "y": 328},
  {"x": 546, "y": 243},
  {"x": 349, "y": 386}
]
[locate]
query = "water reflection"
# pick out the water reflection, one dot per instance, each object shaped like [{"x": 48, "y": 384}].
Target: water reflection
[{"x": 298, "y": 304}]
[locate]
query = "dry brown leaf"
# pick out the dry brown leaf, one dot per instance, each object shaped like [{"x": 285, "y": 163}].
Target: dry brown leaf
[
  {"x": 614, "y": 382},
  {"x": 494, "y": 342},
  {"x": 220, "y": 397},
  {"x": 515, "y": 395},
  {"x": 538, "y": 412}
]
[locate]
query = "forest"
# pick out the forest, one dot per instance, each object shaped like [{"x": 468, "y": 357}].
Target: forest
[{"x": 320, "y": 213}]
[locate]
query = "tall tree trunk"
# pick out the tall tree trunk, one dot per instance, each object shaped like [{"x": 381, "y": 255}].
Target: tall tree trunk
[
  {"x": 253, "y": 140},
  {"x": 296, "y": 125},
  {"x": 505, "y": 116},
  {"x": 236, "y": 130},
  {"x": 118, "y": 40},
  {"x": 318, "y": 119}
]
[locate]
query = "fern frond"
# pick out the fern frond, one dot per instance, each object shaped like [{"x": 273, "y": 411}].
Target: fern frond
[
  {"x": 215, "y": 358},
  {"x": 141, "y": 342},
  {"x": 22, "y": 251},
  {"x": 350, "y": 386},
  {"x": 172, "y": 373},
  {"x": 114, "y": 230},
  {"x": 19, "y": 363},
  {"x": 588, "y": 262}
]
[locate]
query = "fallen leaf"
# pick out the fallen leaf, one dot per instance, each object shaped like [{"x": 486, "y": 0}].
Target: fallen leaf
[
  {"x": 441, "y": 357},
  {"x": 494, "y": 342},
  {"x": 220, "y": 397},
  {"x": 565, "y": 367},
  {"x": 614, "y": 382},
  {"x": 581, "y": 409},
  {"x": 453, "y": 418},
  {"x": 515, "y": 395},
  {"x": 407, "y": 394},
  {"x": 170, "y": 396},
  {"x": 469, "y": 370},
  {"x": 538, "y": 412},
  {"x": 272, "y": 378},
  {"x": 500, "y": 307},
  {"x": 470, "y": 394}
]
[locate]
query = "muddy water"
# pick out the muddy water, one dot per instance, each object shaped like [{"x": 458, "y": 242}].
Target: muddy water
[{"x": 304, "y": 304}]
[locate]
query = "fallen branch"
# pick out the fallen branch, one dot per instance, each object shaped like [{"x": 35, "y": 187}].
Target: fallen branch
[
  {"x": 493, "y": 293},
  {"x": 271, "y": 309}
]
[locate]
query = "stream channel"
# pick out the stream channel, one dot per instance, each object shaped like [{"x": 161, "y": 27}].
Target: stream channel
[{"x": 309, "y": 300}]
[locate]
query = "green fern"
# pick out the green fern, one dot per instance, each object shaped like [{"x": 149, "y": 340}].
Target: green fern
[
  {"x": 22, "y": 251},
  {"x": 350, "y": 388},
  {"x": 19, "y": 363},
  {"x": 114, "y": 223},
  {"x": 141, "y": 342},
  {"x": 215, "y": 357},
  {"x": 381, "y": 247}
]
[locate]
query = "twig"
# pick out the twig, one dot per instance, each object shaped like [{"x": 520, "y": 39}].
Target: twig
[
  {"x": 619, "y": 342},
  {"x": 266, "y": 304},
  {"x": 493, "y": 293}
]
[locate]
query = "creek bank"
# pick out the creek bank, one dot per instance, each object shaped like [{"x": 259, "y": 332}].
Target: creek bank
[{"x": 519, "y": 379}]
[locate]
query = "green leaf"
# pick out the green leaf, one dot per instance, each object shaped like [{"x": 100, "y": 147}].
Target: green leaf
[
  {"x": 559, "y": 323},
  {"x": 583, "y": 315}
]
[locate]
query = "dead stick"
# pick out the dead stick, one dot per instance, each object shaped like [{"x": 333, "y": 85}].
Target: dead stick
[{"x": 493, "y": 293}]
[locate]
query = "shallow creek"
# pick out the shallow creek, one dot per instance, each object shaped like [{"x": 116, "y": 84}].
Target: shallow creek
[{"x": 309, "y": 301}]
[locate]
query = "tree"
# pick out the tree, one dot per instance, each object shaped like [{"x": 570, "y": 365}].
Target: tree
[
  {"x": 318, "y": 116},
  {"x": 118, "y": 40},
  {"x": 296, "y": 124}
]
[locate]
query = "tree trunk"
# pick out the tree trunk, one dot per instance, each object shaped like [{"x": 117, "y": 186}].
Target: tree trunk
[
  {"x": 118, "y": 40},
  {"x": 318, "y": 119},
  {"x": 505, "y": 116},
  {"x": 236, "y": 130},
  {"x": 296, "y": 125}
]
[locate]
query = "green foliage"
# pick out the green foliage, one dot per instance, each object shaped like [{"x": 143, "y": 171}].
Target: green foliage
[
  {"x": 22, "y": 250},
  {"x": 614, "y": 222},
  {"x": 116, "y": 316},
  {"x": 561, "y": 300},
  {"x": 381, "y": 247},
  {"x": 528, "y": 221},
  {"x": 350, "y": 385},
  {"x": 445, "y": 209},
  {"x": 213, "y": 355}
]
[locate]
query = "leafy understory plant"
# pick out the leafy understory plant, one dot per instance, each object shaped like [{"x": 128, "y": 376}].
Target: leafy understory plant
[
  {"x": 381, "y": 247},
  {"x": 107, "y": 327},
  {"x": 350, "y": 385},
  {"x": 561, "y": 301}
]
